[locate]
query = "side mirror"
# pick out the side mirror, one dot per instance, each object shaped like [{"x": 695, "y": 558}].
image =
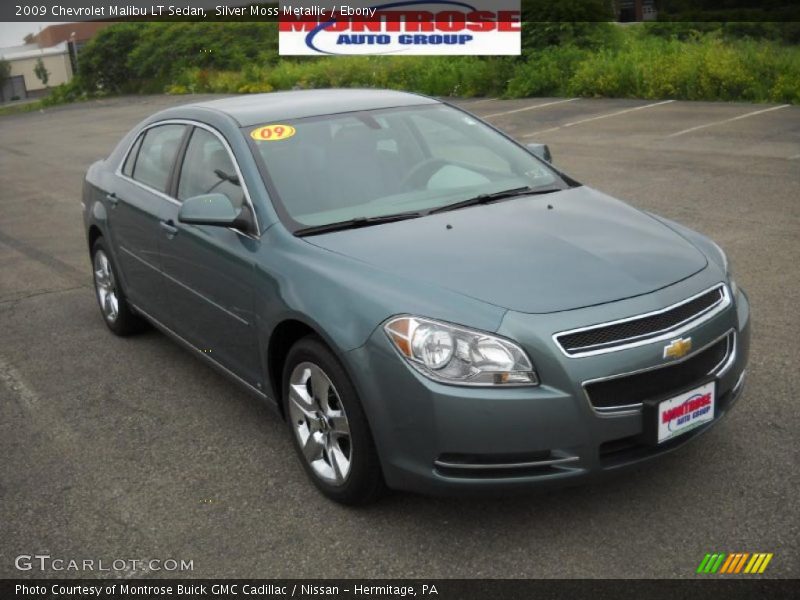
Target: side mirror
[
  {"x": 540, "y": 150},
  {"x": 210, "y": 209}
]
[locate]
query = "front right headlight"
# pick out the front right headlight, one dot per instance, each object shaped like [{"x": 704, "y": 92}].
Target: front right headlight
[{"x": 461, "y": 356}]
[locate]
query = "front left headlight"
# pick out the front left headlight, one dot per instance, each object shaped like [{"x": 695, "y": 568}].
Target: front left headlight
[{"x": 457, "y": 355}]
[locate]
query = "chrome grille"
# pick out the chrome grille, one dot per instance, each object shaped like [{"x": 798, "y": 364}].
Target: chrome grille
[
  {"x": 630, "y": 390},
  {"x": 607, "y": 336}
]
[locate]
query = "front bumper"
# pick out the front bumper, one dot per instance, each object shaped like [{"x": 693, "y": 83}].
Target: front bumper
[{"x": 440, "y": 439}]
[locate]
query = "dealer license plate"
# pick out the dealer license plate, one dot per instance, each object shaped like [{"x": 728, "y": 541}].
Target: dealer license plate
[{"x": 683, "y": 413}]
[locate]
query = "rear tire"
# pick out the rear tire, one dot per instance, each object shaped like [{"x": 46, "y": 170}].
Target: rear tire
[
  {"x": 117, "y": 313},
  {"x": 328, "y": 427}
]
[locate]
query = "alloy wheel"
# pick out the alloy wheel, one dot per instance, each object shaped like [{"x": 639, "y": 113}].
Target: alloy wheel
[
  {"x": 106, "y": 286},
  {"x": 320, "y": 423}
]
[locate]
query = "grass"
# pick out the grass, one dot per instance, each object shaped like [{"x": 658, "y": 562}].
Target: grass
[
  {"x": 14, "y": 109},
  {"x": 639, "y": 66},
  {"x": 433, "y": 75},
  {"x": 705, "y": 69}
]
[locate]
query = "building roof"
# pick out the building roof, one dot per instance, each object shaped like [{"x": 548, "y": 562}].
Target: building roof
[
  {"x": 55, "y": 34},
  {"x": 31, "y": 51},
  {"x": 263, "y": 108}
]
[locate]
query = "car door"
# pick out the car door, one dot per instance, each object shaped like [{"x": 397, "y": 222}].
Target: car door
[
  {"x": 136, "y": 207},
  {"x": 210, "y": 269}
]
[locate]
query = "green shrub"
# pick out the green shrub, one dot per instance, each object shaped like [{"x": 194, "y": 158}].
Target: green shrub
[
  {"x": 586, "y": 57},
  {"x": 546, "y": 72},
  {"x": 63, "y": 94},
  {"x": 102, "y": 63},
  {"x": 440, "y": 76},
  {"x": 582, "y": 23},
  {"x": 145, "y": 57},
  {"x": 708, "y": 68}
]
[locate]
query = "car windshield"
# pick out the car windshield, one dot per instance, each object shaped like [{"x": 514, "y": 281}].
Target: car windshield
[{"x": 372, "y": 164}]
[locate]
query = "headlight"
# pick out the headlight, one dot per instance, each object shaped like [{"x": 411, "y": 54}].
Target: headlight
[{"x": 452, "y": 354}]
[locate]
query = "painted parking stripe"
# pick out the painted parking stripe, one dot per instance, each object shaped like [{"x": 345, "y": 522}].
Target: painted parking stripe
[
  {"x": 795, "y": 157},
  {"x": 478, "y": 101},
  {"x": 519, "y": 110},
  {"x": 598, "y": 117},
  {"x": 744, "y": 116}
]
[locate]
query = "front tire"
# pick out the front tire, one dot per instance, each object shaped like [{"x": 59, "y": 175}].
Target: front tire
[
  {"x": 116, "y": 311},
  {"x": 329, "y": 429}
]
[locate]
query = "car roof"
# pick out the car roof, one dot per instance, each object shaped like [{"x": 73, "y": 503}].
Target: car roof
[{"x": 257, "y": 109}]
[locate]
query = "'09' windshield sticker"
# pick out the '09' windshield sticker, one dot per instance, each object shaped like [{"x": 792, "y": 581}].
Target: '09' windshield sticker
[{"x": 272, "y": 133}]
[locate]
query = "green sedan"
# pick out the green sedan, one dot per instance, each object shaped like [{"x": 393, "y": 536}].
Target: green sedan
[{"x": 430, "y": 305}]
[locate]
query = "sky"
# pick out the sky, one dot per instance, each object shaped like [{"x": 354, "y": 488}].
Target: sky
[{"x": 12, "y": 34}]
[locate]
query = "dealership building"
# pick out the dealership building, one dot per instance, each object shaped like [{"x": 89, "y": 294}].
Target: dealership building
[{"x": 57, "y": 46}]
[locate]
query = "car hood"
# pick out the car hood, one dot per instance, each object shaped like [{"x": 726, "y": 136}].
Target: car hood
[{"x": 533, "y": 254}]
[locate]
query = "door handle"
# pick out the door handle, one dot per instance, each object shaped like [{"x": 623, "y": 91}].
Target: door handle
[
  {"x": 113, "y": 200},
  {"x": 169, "y": 227}
]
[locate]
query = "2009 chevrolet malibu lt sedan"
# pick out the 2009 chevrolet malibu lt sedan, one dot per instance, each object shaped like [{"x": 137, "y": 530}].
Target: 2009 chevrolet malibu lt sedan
[{"x": 430, "y": 305}]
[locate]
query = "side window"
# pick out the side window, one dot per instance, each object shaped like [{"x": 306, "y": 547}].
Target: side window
[
  {"x": 127, "y": 168},
  {"x": 157, "y": 155},
  {"x": 208, "y": 168}
]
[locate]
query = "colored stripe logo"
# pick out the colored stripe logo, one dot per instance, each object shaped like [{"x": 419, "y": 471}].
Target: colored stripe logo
[{"x": 735, "y": 563}]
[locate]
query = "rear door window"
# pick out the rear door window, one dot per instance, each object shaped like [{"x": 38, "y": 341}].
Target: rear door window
[{"x": 127, "y": 169}]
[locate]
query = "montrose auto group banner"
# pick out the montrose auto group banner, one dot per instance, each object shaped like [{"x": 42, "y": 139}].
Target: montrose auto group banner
[{"x": 400, "y": 27}]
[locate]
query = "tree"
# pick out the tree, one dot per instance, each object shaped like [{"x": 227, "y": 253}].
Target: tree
[
  {"x": 580, "y": 22},
  {"x": 102, "y": 63},
  {"x": 41, "y": 71},
  {"x": 30, "y": 39}
]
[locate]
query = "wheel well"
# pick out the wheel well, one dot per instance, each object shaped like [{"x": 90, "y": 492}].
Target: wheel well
[
  {"x": 94, "y": 233},
  {"x": 282, "y": 339}
]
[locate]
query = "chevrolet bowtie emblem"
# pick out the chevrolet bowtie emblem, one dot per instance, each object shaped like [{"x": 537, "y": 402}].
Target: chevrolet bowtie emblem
[{"x": 678, "y": 348}]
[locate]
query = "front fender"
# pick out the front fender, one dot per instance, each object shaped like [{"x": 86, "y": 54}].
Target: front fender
[{"x": 345, "y": 299}]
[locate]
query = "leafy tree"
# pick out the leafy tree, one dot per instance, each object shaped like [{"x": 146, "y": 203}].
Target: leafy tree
[
  {"x": 132, "y": 57},
  {"x": 584, "y": 23},
  {"x": 41, "y": 72},
  {"x": 103, "y": 62}
]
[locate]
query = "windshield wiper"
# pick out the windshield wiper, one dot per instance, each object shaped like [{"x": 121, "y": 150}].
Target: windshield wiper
[
  {"x": 486, "y": 198},
  {"x": 357, "y": 222},
  {"x": 226, "y": 177}
]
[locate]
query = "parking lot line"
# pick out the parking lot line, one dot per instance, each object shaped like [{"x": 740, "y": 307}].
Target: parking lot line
[
  {"x": 519, "y": 110},
  {"x": 479, "y": 101},
  {"x": 744, "y": 116},
  {"x": 795, "y": 157},
  {"x": 595, "y": 118}
]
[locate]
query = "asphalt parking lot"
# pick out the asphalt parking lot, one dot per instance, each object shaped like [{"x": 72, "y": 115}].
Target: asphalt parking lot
[{"x": 132, "y": 448}]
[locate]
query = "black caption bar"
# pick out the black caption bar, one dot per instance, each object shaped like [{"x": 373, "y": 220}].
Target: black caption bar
[
  {"x": 122, "y": 10},
  {"x": 440, "y": 589},
  {"x": 779, "y": 11}
]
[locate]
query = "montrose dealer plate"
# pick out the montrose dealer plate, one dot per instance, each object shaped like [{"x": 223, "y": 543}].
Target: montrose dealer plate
[{"x": 684, "y": 412}]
